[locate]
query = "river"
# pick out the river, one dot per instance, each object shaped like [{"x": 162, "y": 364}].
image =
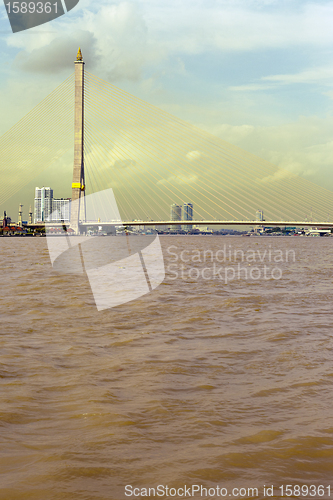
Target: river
[{"x": 212, "y": 380}]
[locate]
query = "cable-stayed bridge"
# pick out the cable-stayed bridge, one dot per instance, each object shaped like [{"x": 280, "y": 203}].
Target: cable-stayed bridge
[{"x": 151, "y": 160}]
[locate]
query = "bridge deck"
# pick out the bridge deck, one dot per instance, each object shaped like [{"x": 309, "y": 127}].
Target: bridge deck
[{"x": 266, "y": 223}]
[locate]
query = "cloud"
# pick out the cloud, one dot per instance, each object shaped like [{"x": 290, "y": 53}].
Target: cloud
[
  {"x": 113, "y": 39},
  {"x": 313, "y": 75},
  {"x": 59, "y": 54},
  {"x": 300, "y": 148},
  {"x": 233, "y": 133},
  {"x": 124, "y": 37},
  {"x": 195, "y": 27},
  {"x": 193, "y": 155},
  {"x": 279, "y": 175},
  {"x": 121, "y": 164},
  {"x": 252, "y": 87},
  {"x": 179, "y": 179}
]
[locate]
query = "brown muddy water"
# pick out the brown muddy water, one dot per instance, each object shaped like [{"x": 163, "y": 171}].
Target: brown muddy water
[{"x": 201, "y": 382}]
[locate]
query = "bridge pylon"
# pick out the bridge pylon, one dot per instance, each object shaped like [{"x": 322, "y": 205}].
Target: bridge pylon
[{"x": 78, "y": 211}]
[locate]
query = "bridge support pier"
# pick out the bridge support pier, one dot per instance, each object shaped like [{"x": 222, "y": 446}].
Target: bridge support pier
[{"x": 78, "y": 185}]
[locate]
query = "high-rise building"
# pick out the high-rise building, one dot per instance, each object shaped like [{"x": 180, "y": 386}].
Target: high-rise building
[
  {"x": 188, "y": 215},
  {"x": 259, "y": 215},
  {"x": 61, "y": 211},
  {"x": 259, "y": 218},
  {"x": 175, "y": 214},
  {"x": 43, "y": 203},
  {"x": 49, "y": 209}
]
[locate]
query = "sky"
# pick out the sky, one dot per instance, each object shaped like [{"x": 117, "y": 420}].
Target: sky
[{"x": 256, "y": 73}]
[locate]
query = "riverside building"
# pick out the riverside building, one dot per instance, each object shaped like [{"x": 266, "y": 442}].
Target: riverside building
[
  {"x": 49, "y": 209},
  {"x": 188, "y": 215},
  {"x": 175, "y": 214}
]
